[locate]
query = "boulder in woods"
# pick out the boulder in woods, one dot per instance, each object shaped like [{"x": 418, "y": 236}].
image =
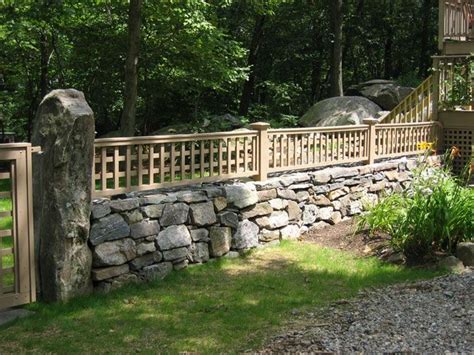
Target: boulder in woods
[
  {"x": 385, "y": 93},
  {"x": 64, "y": 128},
  {"x": 339, "y": 111}
]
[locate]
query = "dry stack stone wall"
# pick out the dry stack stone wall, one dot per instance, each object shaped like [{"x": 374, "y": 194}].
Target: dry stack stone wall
[{"x": 146, "y": 236}]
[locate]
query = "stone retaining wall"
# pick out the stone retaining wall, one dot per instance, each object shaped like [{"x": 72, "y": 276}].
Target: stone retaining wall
[{"x": 146, "y": 236}]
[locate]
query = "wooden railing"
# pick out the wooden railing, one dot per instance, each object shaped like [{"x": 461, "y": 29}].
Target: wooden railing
[
  {"x": 455, "y": 82},
  {"x": 455, "y": 20},
  {"x": 142, "y": 163},
  {"x": 313, "y": 147},
  {"x": 392, "y": 140},
  {"x": 124, "y": 165},
  {"x": 416, "y": 107}
]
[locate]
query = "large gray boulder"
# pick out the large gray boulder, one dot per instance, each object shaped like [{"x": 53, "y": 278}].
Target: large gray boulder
[
  {"x": 64, "y": 128},
  {"x": 339, "y": 111},
  {"x": 385, "y": 93}
]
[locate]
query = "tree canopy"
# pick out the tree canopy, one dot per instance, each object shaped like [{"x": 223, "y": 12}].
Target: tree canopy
[{"x": 258, "y": 60}]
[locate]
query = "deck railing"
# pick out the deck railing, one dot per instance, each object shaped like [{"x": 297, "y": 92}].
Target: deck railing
[
  {"x": 455, "y": 20},
  {"x": 455, "y": 82},
  {"x": 394, "y": 140},
  {"x": 124, "y": 165},
  {"x": 416, "y": 107}
]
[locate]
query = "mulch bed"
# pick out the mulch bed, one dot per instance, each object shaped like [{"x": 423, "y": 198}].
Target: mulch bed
[{"x": 342, "y": 236}]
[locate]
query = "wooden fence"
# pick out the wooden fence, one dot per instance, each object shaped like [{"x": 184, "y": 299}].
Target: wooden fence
[
  {"x": 416, "y": 107},
  {"x": 455, "y": 20},
  {"x": 142, "y": 163}
]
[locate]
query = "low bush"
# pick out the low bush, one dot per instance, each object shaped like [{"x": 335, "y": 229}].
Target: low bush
[{"x": 434, "y": 214}]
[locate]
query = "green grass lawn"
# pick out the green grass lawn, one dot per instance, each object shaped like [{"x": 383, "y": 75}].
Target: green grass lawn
[
  {"x": 225, "y": 306},
  {"x": 6, "y": 242}
]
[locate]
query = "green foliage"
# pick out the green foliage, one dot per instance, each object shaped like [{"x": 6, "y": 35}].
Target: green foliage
[
  {"x": 458, "y": 88},
  {"x": 194, "y": 56},
  {"x": 434, "y": 214}
]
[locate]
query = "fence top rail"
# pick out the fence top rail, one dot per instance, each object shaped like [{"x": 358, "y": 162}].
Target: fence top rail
[
  {"x": 318, "y": 129},
  {"x": 14, "y": 145},
  {"x": 413, "y": 124},
  {"x": 173, "y": 138},
  {"x": 452, "y": 56}
]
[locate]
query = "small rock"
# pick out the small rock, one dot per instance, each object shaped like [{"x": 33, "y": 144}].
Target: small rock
[
  {"x": 276, "y": 220},
  {"x": 132, "y": 217},
  {"x": 145, "y": 260},
  {"x": 157, "y": 271},
  {"x": 124, "y": 205},
  {"x": 266, "y": 195},
  {"x": 241, "y": 195},
  {"x": 451, "y": 263},
  {"x": 173, "y": 237},
  {"x": 246, "y": 235},
  {"x": 465, "y": 252},
  {"x": 291, "y": 231},
  {"x": 228, "y": 219},
  {"x": 174, "y": 214},
  {"x": 144, "y": 229},
  {"x": 109, "y": 272},
  {"x": 202, "y": 214},
  {"x": 200, "y": 235},
  {"x": 260, "y": 209},
  {"x": 153, "y": 211},
  {"x": 221, "y": 238},
  {"x": 176, "y": 254},
  {"x": 220, "y": 203}
]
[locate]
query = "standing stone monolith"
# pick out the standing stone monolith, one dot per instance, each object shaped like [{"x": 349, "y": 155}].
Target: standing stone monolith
[{"x": 62, "y": 173}]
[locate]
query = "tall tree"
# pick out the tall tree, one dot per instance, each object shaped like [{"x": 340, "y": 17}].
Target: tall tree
[
  {"x": 127, "y": 121},
  {"x": 336, "y": 53},
  {"x": 249, "y": 85},
  {"x": 423, "y": 62}
]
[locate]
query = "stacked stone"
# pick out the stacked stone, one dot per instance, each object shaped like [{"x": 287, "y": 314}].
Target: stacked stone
[{"x": 146, "y": 237}]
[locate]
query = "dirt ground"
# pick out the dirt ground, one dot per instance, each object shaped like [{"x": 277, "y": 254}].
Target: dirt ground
[{"x": 342, "y": 236}]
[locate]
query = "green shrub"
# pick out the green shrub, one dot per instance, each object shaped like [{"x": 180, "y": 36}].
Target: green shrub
[{"x": 434, "y": 214}]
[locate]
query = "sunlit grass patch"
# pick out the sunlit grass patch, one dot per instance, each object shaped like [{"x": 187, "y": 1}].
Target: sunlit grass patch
[{"x": 229, "y": 305}]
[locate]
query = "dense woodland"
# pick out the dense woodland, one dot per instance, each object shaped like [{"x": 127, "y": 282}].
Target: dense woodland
[{"x": 145, "y": 65}]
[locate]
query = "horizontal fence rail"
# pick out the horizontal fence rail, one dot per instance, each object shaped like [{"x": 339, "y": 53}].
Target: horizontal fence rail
[
  {"x": 393, "y": 140},
  {"x": 312, "y": 147},
  {"x": 456, "y": 20},
  {"x": 416, "y": 107},
  {"x": 124, "y": 165},
  {"x": 141, "y": 163}
]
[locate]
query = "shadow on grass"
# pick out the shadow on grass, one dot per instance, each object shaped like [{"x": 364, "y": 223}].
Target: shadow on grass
[{"x": 224, "y": 306}]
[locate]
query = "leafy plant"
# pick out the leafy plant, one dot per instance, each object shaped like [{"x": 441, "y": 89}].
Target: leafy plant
[
  {"x": 458, "y": 89},
  {"x": 434, "y": 214}
]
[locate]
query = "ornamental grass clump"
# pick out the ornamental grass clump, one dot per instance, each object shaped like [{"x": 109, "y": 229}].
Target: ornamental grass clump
[{"x": 434, "y": 214}]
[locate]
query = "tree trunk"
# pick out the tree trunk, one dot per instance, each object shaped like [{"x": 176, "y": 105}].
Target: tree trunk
[
  {"x": 127, "y": 121},
  {"x": 44, "y": 60},
  {"x": 336, "y": 57},
  {"x": 248, "y": 89},
  {"x": 424, "y": 59}
]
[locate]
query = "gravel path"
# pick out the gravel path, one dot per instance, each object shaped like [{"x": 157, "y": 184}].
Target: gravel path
[{"x": 427, "y": 316}]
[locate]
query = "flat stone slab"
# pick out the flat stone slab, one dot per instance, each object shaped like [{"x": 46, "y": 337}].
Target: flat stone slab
[{"x": 11, "y": 314}]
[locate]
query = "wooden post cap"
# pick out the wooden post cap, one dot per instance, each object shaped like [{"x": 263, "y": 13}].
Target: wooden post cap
[
  {"x": 260, "y": 126},
  {"x": 370, "y": 121}
]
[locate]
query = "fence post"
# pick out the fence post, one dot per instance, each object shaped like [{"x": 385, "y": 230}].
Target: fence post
[
  {"x": 371, "y": 148},
  {"x": 436, "y": 82},
  {"x": 263, "y": 149}
]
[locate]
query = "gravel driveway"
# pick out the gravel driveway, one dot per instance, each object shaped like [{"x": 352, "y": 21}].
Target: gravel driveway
[{"x": 427, "y": 316}]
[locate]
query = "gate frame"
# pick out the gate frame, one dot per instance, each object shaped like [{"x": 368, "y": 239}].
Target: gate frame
[{"x": 20, "y": 157}]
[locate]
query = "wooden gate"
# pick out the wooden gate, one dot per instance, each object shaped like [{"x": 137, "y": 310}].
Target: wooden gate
[{"x": 17, "y": 264}]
